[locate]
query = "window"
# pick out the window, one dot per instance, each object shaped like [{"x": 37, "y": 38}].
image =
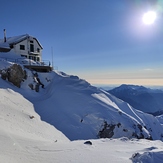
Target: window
[
  {"x": 11, "y": 46},
  {"x": 23, "y": 56},
  {"x": 34, "y": 58},
  {"x": 31, "y": 48},
  {"x": 31, "y": 41},
  {"x": 22, "y": 47},
  {"x": 38, "y": 50}
]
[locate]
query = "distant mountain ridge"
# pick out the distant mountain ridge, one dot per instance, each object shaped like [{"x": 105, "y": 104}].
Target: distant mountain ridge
[
  {"x": 81, "y": 111},
  {"x": 141, "y": 98}
]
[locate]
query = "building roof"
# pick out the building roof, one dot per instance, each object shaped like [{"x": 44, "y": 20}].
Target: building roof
[{"x": 14, "y": 40}]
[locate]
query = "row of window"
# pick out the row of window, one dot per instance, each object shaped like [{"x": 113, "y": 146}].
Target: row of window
[
  {"x": 32, "y": 57},
  {"x": 22, "y": 47}
]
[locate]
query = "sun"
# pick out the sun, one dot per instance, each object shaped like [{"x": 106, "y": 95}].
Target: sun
[{"x": 149, "y": 17}]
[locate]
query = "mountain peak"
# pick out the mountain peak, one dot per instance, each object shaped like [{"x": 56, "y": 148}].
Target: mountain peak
[
  {"x": 142, "y": 98},
  {"x": 133, "y": 87}
]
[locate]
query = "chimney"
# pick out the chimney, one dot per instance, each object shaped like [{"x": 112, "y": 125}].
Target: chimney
[{"x": 4, "y": 35}]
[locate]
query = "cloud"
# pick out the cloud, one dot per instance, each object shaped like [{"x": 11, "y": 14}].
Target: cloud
[{"x": 148, "y": 69}]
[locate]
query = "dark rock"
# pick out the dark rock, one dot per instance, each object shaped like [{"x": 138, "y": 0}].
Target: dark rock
[
  {"x": 119, "y": 124},
  {"x": 37, "y": 87},
  {"x": 37, "y": 80},
  {"x": 31, "y": 117},
  {"x": 15, "y": 75},
  {"x": 25, "y": 74},
  {"x": 125, "y": 130},
  {"x": 74, "y": 77},
  {"x": 31, "y": 86},
  {"x": 107, "y": 130},
  {"x": 88, "y": 142},
  {"x": 4, "y": 74},
  {"x": 140, "y": 127}
]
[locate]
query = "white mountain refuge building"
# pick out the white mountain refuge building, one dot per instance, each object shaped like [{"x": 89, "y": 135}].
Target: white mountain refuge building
[{"x": 23, "y": 45}]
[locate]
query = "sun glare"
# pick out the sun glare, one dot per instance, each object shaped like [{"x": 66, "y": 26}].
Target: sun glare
[{"x": 149, "y": 17}]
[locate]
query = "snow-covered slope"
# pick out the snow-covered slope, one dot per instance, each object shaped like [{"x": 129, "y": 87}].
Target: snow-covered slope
[
  {"x": 79, "y": 111},
  {"x": 18, "y": 118},
  {"x": 30, "y": 140},
  {"x": 82, "y": 111}
]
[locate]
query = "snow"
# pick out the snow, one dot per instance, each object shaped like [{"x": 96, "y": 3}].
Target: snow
[
  {"x": 14, "y": 39},
  {"x": 52, "y": 125}
]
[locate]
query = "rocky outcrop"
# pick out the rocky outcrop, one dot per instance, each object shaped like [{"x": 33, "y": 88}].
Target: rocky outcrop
[
  {"x": 36, "y": 83},
  {"x": 15, "y": 74},
  {"x": 108, "y": 131}
]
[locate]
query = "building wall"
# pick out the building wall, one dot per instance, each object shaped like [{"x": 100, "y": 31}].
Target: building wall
[{"x": 29, "y": 48}]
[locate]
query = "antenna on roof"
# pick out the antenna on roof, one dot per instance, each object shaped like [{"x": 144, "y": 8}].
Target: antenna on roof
[{"x": 4, "y": 35}]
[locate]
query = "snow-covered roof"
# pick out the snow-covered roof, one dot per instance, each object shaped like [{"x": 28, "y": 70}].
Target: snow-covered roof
[
  {"x": 4, "y": 47},
  {"x": 14, "y": 40}
]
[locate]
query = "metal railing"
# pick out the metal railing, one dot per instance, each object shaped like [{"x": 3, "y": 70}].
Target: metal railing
[{"x": 27, "y": 61}]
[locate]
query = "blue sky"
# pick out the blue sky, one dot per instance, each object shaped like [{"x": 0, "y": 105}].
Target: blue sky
[{"x": 102, "y": 41}]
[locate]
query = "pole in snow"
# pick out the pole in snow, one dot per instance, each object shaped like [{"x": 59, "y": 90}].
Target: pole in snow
[{"x": 52, "y": 57}]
